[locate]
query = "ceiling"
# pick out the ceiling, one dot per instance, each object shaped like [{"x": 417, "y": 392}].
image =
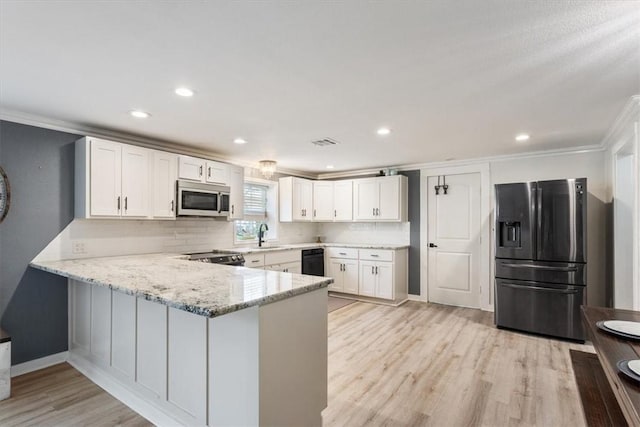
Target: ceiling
[{"x": 451, "y": 79}]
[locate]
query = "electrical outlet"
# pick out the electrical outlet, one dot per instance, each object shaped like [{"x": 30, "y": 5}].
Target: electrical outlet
[{"x": 79, "y": 247}]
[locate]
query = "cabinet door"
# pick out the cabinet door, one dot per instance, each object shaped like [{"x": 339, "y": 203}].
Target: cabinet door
[
  {"x": 343, "y": 200},
  {"x": 236, "y": 186},
  {"x": 106, "y": 178},
  {"x": 367, "y": 278},
  {"x": 323, "y": 201},
  {"x": 135, "y": 181},
  {"x": 350, "y": 276},
  {"x": 335, "y": 272},
  {"x": 216, "y": 172},
  {"x": 292, "y": 267},
  {"x": 191, "y": 168},
  {"x": 389, "y": 196},
  {"x": 366, "y": 194},
  {"x": 384, "y": 280},
  {"x": 164, "y": 184},
  {"x": 302, "y": 199}
]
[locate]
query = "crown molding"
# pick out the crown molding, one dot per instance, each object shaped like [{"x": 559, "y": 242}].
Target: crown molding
[
  {"x": 466, "y": 162},
  {"x": 127, "y": 138},
  {"x": 630, "y": 111}
]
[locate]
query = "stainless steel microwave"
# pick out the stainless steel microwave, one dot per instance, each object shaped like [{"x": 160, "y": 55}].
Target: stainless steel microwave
[{"x": 198, "y": 199}]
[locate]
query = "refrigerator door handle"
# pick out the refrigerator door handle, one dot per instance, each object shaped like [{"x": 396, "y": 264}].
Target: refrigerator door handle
[
  {"x": 538, "y": 214},
  {"x": 541, "y": 267},
  {"x": 539, "y": 288}
]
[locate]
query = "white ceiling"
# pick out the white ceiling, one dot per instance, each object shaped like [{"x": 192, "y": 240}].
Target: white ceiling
[{"x": 453, "y": 79}]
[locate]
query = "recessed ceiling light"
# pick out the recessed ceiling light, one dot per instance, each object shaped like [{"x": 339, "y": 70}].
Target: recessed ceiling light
[
  {"x": 329, "y": 166},
  {"x": 239, "y": 141},
  {"x": 522, "y": 137},
  {"x": 184, "y": 91},
  {"x": 384, "y": 131},
  {"x": 139, "y": 114}
]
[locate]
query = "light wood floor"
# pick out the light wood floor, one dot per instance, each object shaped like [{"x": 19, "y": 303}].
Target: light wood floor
[
  {"x": 435, "y": 365},
  {"x": 413, "y": 365}
]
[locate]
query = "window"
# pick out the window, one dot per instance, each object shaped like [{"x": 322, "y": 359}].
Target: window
[{"x": 259, "y": 207}]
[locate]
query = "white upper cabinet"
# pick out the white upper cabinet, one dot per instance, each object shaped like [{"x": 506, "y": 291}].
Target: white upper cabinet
[
  {"x": 111, "y": 179},
  {"x": 103, "y": 171},
  {"x": 380, "y": 199},
  {"x": 236, "y": 191},
  {"x": 201, "y": 170},
  {"x": 191, "y": 168},
  {"x": 323, "y": 201},
  {"x": 164, "y": 184},
  {"x": 135, "y": 181},
  {"x": 343, "y": 200},
  {"x": 296, "y": 199}
]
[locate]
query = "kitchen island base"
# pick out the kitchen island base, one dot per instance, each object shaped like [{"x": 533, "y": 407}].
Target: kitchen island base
[{"x": 263, "y": 365}]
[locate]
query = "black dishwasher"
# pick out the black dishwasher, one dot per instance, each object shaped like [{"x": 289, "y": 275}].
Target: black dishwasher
[{"x": 313, "y": 262}]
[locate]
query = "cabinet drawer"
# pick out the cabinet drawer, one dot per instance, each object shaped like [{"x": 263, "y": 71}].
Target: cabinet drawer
[
  {"x": 282, "y": 257},
  {"x": 345, "y": 253},
  {"x": 376, "y": 254},
  {"x": 254, "y": 260}
]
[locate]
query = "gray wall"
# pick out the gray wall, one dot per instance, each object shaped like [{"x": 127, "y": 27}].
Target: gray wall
[
  {"x": 414, "y": 234},
  {"x": 33, "y": 304}
]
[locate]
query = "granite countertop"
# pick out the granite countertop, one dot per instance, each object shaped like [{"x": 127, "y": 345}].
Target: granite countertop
[
  {"x": 205, "y": 289},
  {"x": 300, "y": 246}
]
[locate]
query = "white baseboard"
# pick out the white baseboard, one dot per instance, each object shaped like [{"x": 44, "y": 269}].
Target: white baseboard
[
  {"x": 418, "y": 298},
  {"x": 36, "y": 364},
  {"x": 123, "y": 393}
]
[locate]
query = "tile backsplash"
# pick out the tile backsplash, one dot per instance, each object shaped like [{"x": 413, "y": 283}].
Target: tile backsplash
[{"x": 365, "y": 232}]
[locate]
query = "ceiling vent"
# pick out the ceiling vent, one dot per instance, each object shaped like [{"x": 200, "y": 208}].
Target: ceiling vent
[{"x": 325, "y": 142}]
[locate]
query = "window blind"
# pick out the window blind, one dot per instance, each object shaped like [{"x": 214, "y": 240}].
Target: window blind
[{"x": 255, "y": 200}]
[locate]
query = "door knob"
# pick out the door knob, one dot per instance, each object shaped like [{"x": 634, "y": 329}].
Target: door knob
[{"x": 431, "y": 245}]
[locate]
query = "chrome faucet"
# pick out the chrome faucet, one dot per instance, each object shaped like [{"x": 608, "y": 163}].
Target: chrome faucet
[{"x": 262, "y": 228}]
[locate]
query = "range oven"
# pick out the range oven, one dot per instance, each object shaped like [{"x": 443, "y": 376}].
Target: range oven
[{"x": 198, "y": 199}]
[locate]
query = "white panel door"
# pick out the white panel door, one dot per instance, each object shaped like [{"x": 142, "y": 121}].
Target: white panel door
[
  {"x": 191, "y": 168},
  {"x": 188, "y": 362},
  {"x": 334, "y": 271},
  {"x": 343, "y": 200},
  {"x": 151, "y": 363},
  {"x": 323, "y": 201},
  {"x": 106, "y": 178},
  {"x": 366, "y": 195},
  {"x": 135, "y": 181},
  {"x": 236, "y": 192},
  {"x": 454, "y": 241},
  {"x": 350, "y": 276},
  {"x": 216, "y": 173},
  {"x": 123, "y": 334},
  {"x": 384, "y": 280},
  {"x": 367, "y": 280},
  {"x": 389, "y": 191},
  {"x": 165, "y": 174},
  {"x": 101, "y": 323}
]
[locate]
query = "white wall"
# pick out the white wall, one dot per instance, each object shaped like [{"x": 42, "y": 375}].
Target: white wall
[
  {"x": 128, "y": 237},
  {"x": 590, "y": 165},
  {"x": 623, "y": 207}
]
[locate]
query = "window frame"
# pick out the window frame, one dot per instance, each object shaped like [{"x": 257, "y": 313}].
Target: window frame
[{"x": 272, "y": 219}]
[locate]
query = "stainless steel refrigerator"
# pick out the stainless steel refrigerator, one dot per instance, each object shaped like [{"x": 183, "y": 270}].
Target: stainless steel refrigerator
[{"x": 541, "y": 256}]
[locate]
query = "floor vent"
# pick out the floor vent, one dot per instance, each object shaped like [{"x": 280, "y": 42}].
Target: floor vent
[{"x": 325, "y": 142}]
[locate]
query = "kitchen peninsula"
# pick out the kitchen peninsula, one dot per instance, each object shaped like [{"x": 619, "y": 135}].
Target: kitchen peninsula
[{"x": 199, "y": 344}]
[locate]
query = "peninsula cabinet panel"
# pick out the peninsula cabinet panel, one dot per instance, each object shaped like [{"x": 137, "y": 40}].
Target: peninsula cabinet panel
[
  {"x": 123, "y": 335},
  {"x": 187, "y": 363},
  {"x": 81, "y": 315},
  {"x": 151, "y": 362},
  {"x": 101, "y": 323}
]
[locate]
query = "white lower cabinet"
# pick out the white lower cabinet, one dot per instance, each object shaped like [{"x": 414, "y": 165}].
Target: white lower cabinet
[
  {"x": 345, "y": 275},
  {"x": 151, "y": 360}
]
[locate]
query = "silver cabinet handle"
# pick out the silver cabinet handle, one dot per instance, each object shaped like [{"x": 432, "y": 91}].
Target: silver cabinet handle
[
  {"x": 373, "y": 270},
  {"x": 200, "y": 170},
  {"x": 209, "y": 172},
  {"x": 342, "y": 253},
  {"x": 314, "y": 213},
  {"x": 374, "y": 212},
  {"x": 376, "y": 270},
  {"x": 377, "y": 212},
  {"x": 118, "y": 202},
  {"x": 125, "y": 204},
  {"x": 172, "y": 206},
  {"x": 375, "y": 255},
  {"x": 255, "y": 260},
  {"x": 232, "y": 209},
  {"x": 335, "y": 213}
]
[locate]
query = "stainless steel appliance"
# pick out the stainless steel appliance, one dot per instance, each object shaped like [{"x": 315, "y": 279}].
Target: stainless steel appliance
[
  {"x": 313, "y": 261},
  {"x": 218, "y": 257},
  {"x": 541, "y": 256},
  {"x": 198, "y": 199}
]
